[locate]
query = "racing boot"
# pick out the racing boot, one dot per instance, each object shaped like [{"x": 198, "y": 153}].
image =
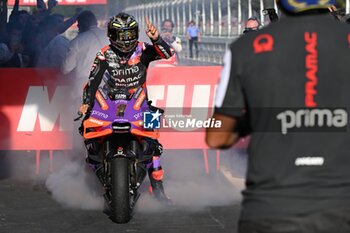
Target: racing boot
[{"x": 157, "y": 188}]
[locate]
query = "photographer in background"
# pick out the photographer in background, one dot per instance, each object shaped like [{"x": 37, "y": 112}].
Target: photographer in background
[
  {"x": 339, "y": 14},
  {"x": 272, "y": 14},
  {"x": 168, "y": 36},
  {"x": 251, "y": 25}
]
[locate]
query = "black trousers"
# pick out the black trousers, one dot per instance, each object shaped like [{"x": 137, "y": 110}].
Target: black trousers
[
  {"x": 193, "y": 40},
  {"x": 329, "y": 221}
]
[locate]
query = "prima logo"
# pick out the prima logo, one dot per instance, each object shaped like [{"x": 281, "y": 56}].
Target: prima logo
[
  {"x": 311, "y": 118},
  {"x": 126, "y": 71},
  {"x": 99, "y": 114}
]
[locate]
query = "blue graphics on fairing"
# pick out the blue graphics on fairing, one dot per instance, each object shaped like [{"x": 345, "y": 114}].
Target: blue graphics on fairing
[{"x": 295, "y": 6}]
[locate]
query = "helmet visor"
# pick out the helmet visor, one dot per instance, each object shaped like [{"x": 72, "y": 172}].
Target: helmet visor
[{"x": 127, "y": 35}]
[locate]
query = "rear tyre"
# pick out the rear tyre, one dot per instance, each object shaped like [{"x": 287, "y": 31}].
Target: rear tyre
[{"x": 120, "y": 200}]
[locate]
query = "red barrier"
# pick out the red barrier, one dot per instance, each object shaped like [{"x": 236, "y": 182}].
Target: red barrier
[
  {"x": 29, "y": 109},
  {"x": 34, "y": 116},
  {"x": 60, "y": 2}
]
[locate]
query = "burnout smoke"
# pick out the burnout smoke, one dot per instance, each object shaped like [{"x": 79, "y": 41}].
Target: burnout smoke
[
  {"x": 190, "y": 188},
  {"x": 75, "y": 186},
  {"x": 72, "y": 185}
]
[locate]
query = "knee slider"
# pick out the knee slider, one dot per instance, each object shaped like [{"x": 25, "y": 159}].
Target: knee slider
[{"x": 158, "y": 174}]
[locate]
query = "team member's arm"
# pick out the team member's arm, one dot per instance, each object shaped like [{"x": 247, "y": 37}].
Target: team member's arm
[
  {"x": 3, "y": 17},
  {"x": 69, "y": 22},
  {"x": 98, "y": 69},
  {"x": 223, "y": 137},
  {"x": 14, "y": 12},
  {"x": 159, "y": 50},
  {"x": 229, "y": 106}
]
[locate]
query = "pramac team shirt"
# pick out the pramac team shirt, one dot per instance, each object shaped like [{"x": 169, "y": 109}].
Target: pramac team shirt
[{"x": 292, "y": 80}]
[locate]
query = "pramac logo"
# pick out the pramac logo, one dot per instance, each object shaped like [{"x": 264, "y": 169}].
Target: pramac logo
[
  {"x": 311, "y": 63},
  {"x": 263, "y": 43}
]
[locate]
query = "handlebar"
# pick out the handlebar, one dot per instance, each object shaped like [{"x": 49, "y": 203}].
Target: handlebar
[{"x": 80, "y": 115}]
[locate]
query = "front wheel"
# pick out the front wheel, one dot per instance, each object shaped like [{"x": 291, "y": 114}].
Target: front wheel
[{"x": 120, "y": 200}]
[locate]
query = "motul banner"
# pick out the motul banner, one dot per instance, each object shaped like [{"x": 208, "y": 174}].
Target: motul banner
[
  {"x": 61, "y": 2},
  {"x": 37, "y": 106}
]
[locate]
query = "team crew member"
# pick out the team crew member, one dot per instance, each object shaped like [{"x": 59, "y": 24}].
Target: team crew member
[
  {"x": 252, "y": 25},
  {"x": 121, "y": 66},
  {"x": 291, "y": 82}
]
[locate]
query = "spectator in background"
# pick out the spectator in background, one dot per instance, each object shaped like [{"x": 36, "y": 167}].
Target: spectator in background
[
  {"x": 5, "y": 54},
  {"x": 17, "y": 17},
  {"x": 53, "y": 54},
  {"x": 168, "y": 36},
  {"x": 193, "y": 35},
  {"x": 26, "y": 35},
  {"x": 31, "y": 38},
  {"x": 251, "y": 25},
  {"x": 15, "y": 46},
  {"x": 82, "y": 49},
  {"x": 3, "y": 20}
]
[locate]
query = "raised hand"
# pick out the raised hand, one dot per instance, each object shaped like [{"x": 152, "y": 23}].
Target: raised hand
[
  {"x": 78, "y": 11},
  {"x": 51, "y": 4},
  {"x": 40, "y": 4},
  {"x": 151, "y": 30}
]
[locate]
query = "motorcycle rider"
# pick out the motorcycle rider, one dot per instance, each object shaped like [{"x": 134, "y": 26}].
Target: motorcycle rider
[{"x": 124, "y": 63}]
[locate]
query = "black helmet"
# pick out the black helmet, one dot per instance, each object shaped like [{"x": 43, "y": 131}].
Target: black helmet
[{"x": 123, "y": 32}]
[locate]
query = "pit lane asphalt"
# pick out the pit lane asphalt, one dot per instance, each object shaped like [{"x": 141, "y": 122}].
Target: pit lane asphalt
[
  {"x": 27, "y": 207},
  {"x": 24, "y": 208}
]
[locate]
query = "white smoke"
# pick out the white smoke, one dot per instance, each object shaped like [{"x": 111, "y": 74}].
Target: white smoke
[
  {"x": 76, "y": 186},
  {"x": 190, "y": 188}
]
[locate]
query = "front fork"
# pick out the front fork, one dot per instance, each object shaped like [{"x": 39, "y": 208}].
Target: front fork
[{"x": 137, "y": 169}]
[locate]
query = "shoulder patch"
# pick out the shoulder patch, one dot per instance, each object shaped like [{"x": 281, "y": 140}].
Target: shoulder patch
[
  {"x": 104, "y": 49},
  {"x": 100, "y": 56}
]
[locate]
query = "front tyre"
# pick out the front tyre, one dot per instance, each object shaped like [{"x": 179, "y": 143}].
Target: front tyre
[{"x": 120, "y": 200}]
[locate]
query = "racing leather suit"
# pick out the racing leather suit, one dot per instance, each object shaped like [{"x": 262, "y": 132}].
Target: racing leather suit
[{"x": 113, "y": 71}]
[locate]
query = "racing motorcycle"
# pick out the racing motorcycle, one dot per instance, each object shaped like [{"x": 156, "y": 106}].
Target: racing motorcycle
[{"x": 117, "y": 122}]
